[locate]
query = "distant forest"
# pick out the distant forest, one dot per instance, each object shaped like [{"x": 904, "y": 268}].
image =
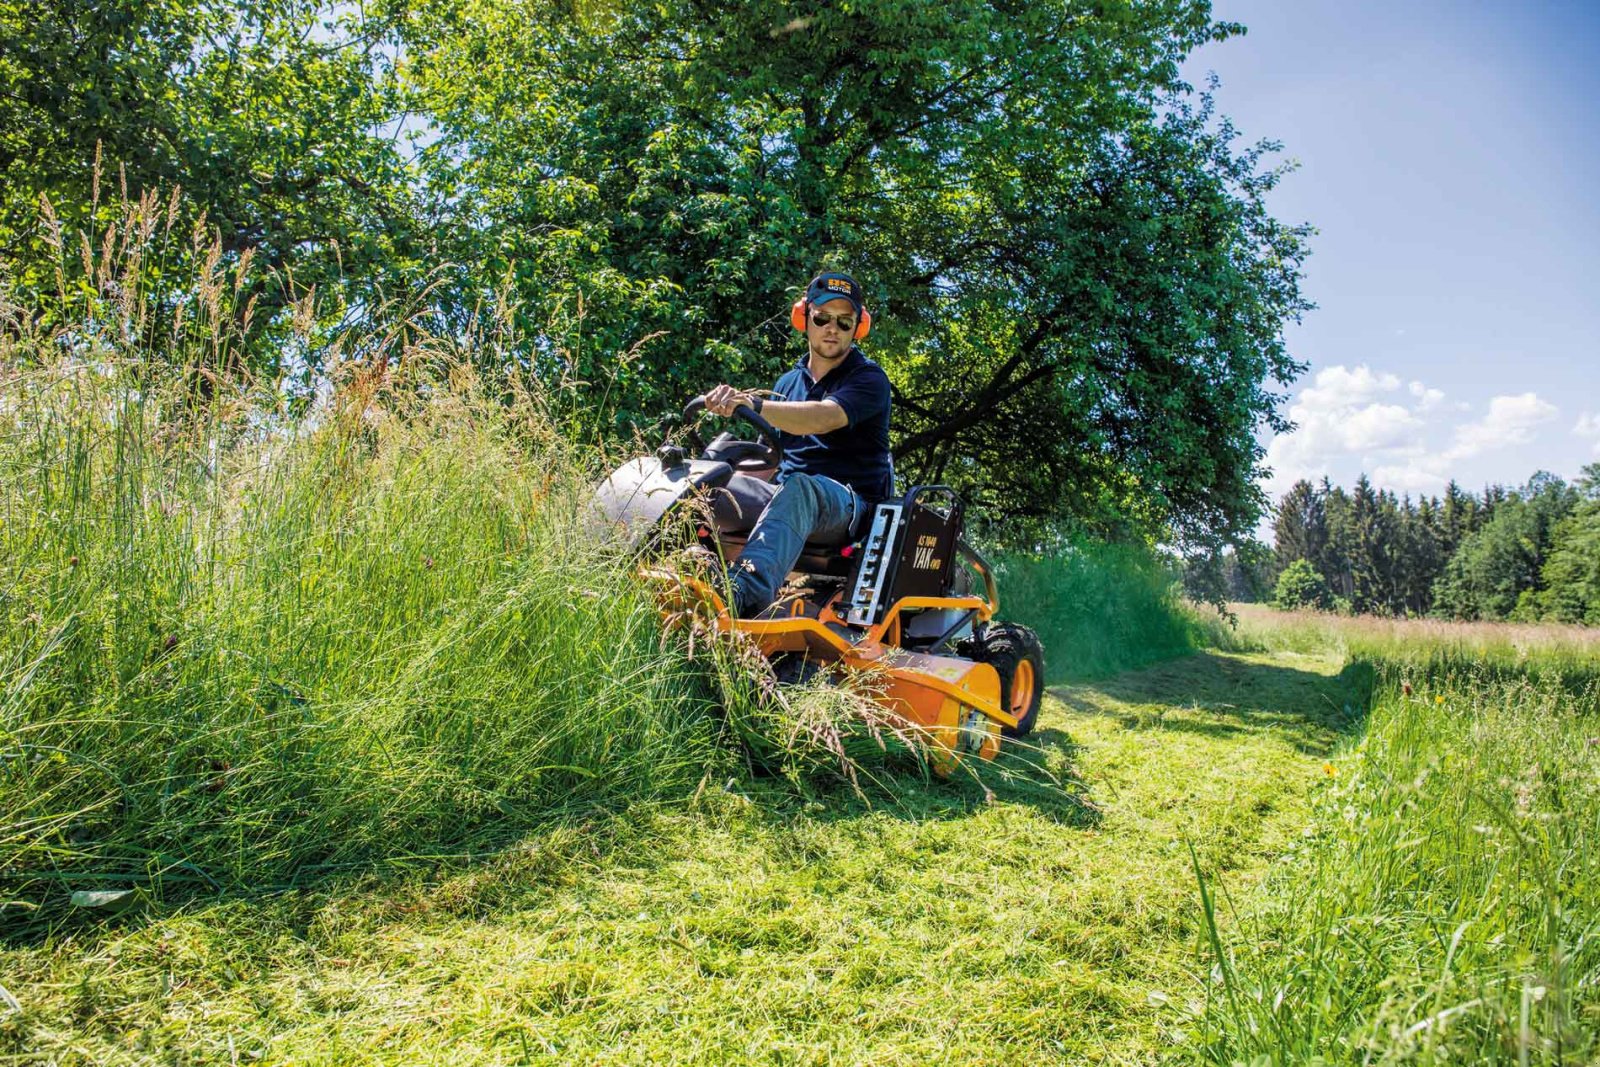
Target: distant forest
[{"x": 1525, "y": 554}]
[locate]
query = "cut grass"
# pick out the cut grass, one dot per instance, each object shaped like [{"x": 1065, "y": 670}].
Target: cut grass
[{"x": 754, "y": 926}]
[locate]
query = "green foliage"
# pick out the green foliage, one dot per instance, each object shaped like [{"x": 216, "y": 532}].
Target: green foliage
[
  {"x": 1300, "y": 525},
  {"x": 1496, "y": 564},
  {"x": 1098, "y": 608},
  {"x": 1514, "y": 554},
  {"x": 1064, "y": 248},
  {"x": 1571, "y": 573},
  {"x": 277, "y": 120},
  {"x": 1300, "y": 586},
  {"x": 1079, "y": 292}
]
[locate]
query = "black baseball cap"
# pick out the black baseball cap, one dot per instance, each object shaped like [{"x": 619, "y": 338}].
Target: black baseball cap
[{"x": 833, "y": 286}]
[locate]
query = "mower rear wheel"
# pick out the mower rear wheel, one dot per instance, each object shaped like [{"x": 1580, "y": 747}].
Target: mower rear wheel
[{"x": 1018, "y": 658}]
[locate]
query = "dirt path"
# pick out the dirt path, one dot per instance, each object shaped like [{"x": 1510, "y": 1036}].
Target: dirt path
[{"x": 753, "y": 929}]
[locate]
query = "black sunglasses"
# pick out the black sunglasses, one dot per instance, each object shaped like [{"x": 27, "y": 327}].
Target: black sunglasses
[{"x": 844, "y": 322}]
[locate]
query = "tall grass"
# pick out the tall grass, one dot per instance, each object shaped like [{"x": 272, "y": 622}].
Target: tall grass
[
  {"x": 241, "y": 655},
  {"x": 245, "y": 644},
  {"x": 1443, "y": 904},
  {"x": 1565, "y": 656},
  {"x": 1098, "y": 608}
]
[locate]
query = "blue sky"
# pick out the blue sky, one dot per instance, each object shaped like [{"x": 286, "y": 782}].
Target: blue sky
[{"x": 1450, "y": 158}]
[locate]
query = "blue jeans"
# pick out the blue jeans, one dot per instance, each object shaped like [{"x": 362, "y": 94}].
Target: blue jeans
[{"x": 805, "y": 508}]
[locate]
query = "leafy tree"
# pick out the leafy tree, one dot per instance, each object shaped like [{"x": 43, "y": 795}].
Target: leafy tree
[
  {"x": 1366, "y": 549},
  {"x": 1079, "y": 291},
  {"x": 1378, "y": 553},
  {"x": 1300, "y": 586},
  {"x": 1249, "y": 572},
  {"x": 1245, "y": 573},
  {"x": 1571, "y": 573},
  {"x": 1300, "y": 528},
  {"x": 1459, "y": 516},
  {"x": 1494, "y": 566},
  {"x": 1340, "y": 552},
  {"x": 1419, "y": 557},
  {"x": 1529, "y": 553},
  {"x": 274, "y": 117}
]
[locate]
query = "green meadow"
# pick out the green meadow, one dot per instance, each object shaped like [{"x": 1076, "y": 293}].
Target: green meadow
[
  {"x": 329, "y": 734},
  {"x": 371, "y": 757}
]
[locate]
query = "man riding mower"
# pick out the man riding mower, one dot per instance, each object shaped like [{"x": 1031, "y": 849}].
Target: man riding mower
[{"x": 826, "y": 567}]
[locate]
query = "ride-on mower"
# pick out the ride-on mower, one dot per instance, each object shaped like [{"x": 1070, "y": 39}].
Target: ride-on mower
[{"x": 897, "y": 600}]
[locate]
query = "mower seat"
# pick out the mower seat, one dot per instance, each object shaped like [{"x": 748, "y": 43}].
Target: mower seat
[{"x": 829, "y": 559}]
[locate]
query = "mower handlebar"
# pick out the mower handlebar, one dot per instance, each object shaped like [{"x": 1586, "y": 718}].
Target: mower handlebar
[{"x": 773, "y": 438}]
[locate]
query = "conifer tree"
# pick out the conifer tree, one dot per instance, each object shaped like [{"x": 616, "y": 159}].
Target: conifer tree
[{"x": 1301, "y": 528}]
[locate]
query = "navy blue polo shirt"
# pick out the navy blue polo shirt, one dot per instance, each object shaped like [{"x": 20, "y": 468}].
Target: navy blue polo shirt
[{"x": 857, "y": 453}]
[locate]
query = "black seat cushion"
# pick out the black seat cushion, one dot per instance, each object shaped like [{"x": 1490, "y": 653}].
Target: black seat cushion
[{"x": 814, "y": 558}]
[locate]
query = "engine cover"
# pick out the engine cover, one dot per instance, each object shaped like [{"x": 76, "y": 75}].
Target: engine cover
[{"x": 634, "y": 498}]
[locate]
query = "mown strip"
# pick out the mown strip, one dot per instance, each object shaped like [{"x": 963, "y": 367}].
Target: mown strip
[{"x": 757, "y": 925}]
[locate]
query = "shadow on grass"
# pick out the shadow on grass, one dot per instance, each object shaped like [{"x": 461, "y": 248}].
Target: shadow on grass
[
  {"x": 1038, "y": 773},
  {"x": 1207, "y": 693},
  {"x": 1221, "y": 695}
]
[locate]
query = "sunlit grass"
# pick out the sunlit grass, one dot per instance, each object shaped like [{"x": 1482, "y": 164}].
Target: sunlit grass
[
  {"x": 1099, "y": 608},
  {"x": 929, "y": 922},
  {"x": 1470, "y": 642},
  {"x": 1441, "y": 903},
  {"x": 241, "y": 656}
]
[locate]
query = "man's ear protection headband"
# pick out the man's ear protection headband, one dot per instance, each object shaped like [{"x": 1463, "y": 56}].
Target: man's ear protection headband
[
  {"x": 828, "y": 284},
  {"x": 798, "y": 313}
]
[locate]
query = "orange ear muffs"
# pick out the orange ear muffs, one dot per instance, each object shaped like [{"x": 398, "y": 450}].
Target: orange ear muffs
[{"x": 797, "y": 319}]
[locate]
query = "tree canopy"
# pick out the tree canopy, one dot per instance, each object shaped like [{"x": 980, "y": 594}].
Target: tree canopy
[
  {"x": 264, "y": 120},
  {"x": 1079, "y": 291},
  {"x": 1571, "y": 574}
]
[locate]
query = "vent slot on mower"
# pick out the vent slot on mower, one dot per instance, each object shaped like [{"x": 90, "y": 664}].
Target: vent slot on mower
[
  {"x": 909, "y": 551},
  {"x": 873, "y": 570}
]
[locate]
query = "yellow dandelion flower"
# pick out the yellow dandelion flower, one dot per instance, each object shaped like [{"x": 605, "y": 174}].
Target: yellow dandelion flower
[
  {"x": 1439, "y": 699},
  {"x": 1330, "y": 770}
]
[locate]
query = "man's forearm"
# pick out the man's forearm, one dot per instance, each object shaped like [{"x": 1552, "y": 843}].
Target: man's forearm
[{"x": 805, "y": 416}]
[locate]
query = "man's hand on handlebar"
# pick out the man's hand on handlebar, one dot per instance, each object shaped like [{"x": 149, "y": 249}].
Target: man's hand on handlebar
[{"x": 724, "y": 398}]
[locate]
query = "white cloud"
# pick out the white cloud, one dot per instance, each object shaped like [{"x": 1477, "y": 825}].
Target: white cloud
[
  {"x": 1423, "y": 474},
  {"x": 1341, "y": 386},
  {"x": 1511, "y": 421},
  {"x": 1344, "y": 411},
  {"x": 1405, "y": 434},
  {"x": 1589, "y": 426},
  {"x": 1427, "y": 399}
]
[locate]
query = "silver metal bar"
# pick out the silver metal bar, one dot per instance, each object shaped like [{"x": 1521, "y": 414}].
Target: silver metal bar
[{"x": 868, "y": 591}]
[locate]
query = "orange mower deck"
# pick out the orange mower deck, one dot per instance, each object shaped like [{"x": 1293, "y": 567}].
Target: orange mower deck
[{"x": 957, "y": 702}]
